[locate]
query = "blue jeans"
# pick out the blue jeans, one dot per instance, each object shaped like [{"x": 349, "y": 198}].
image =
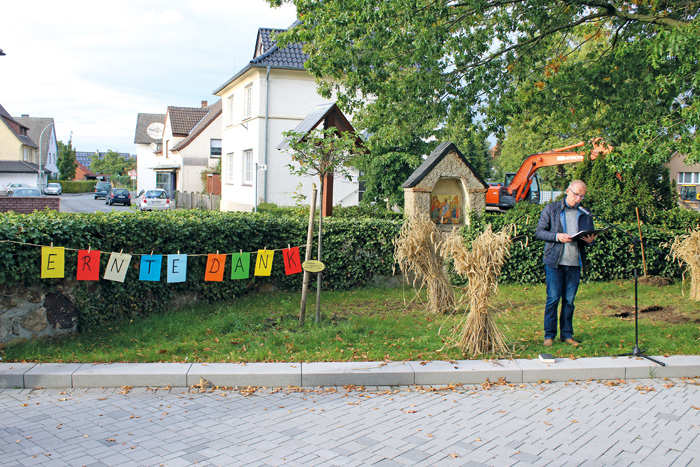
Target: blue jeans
[{"x": 562, "y": 284}]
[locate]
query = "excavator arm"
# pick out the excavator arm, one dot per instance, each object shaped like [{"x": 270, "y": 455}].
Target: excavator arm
[{"x": 517, "y": 189}]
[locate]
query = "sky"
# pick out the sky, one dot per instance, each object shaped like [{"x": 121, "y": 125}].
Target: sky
[{"x": 94, "y": 66}]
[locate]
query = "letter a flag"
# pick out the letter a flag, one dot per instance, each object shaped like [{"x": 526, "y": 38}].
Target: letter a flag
[
  {"x": 215, "y": 268},
  {"x": 89, "y": 265},
  {"x": 240, "y": 265},
  {"x": 263, "y": 264},
  {"x": 292, "y": 261},
  {"x": 117, "y": 266},
  {"x": 177, "y": 268},
  {"x": 53, "y": 262},
  {"x": 150, "y": 267}
]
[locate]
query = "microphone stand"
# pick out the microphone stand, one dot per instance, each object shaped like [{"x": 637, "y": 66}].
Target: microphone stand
[{"x": 636, "y": 352}]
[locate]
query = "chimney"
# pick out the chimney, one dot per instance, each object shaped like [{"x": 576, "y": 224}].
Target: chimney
[{"x": 204, "y": 104}]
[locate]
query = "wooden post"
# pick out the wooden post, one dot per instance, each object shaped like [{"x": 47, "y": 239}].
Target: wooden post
[
  {"x": 309, "y": 240},
  {"x": 641, "y": 243},
  {"x": 327, "y": 196},
  {"x": 320, "y": 274}
]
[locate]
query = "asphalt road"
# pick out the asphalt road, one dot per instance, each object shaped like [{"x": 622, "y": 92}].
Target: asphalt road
[{"x": 86, "y": 202}]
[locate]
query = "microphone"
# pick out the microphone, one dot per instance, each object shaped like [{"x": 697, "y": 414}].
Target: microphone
[{"x": 584, "y": 211}]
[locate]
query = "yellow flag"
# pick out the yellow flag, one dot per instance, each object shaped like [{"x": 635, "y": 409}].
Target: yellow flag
[
  {"x": 53, "y": 262},
  {"x": 263, "y": 264}
]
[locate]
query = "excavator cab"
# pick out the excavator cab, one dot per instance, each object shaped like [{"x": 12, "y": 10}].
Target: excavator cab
[
  {"x": 532, "y": 193},
  {"x": 689, "y": 197}
]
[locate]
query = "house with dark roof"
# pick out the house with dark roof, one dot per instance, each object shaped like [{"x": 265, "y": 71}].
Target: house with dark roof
[
  {"x": 148, "y": 138},
  {"x": 271, "y": 94},
  {"x": 181, "y": 143},
  {"x": 42, "y": 130},
  {"x": 19, "y": 160}
]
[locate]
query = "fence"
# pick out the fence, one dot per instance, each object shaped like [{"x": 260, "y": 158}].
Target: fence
[
  {"x": 549, "y": 195},
  {"x": 193, "y": 200}
]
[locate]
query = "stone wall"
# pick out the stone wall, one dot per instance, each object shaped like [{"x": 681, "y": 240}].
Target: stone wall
[
  {"x": 27, "y": 205},
  {"x": 34, "y": 312}
]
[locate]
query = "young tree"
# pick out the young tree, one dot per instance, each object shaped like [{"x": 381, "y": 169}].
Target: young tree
[
  {"x": 66, "y": 160},
  {"x": 403, "y": 67}
]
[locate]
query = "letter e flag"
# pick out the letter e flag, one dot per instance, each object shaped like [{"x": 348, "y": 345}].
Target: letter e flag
[
  {"x": 117, "y": 266},
  {"x": 89, "y": 265},
  {"x": 53, "y": 262},
  {"x": 292, "y": 261},
  {"x": 263, "y": 264},
  {"x": 215, "y": 268},
  {"x": 177, "y": 268}
]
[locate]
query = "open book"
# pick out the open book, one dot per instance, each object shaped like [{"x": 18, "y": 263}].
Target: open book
[{"x": 585, "y": 233}]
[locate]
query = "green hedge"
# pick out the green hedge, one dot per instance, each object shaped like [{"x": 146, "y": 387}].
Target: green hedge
[
  {"x": 354, "y": 251},
  {"x": 82, "y": 186}
]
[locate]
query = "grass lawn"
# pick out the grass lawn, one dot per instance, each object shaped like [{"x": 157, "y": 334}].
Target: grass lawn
[{"x": 378, "y": 324}]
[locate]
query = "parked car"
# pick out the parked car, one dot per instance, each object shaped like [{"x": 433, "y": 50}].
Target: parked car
[
  {"x": 153, "y": 200},
  {"x": 26, "y": 192},
  {"x": 53, "y": 189},
  {"x": 101, "y": 189},
  {"x": 12, "y": 186},
  {"x": 118, "y": 196}
]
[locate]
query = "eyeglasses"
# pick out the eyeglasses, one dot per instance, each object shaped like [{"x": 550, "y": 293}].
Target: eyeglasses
[{"x": 576, "y": 194}]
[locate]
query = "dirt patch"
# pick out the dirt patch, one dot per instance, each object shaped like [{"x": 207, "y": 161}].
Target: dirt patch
[
  {"x": 654, "y": 280},
  {"x": 653, "y": 313}
]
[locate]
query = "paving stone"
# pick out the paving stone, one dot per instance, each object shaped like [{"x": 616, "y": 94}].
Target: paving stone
[
  {"x": 466, "y": 371},
  {"x": 51, "y": 375},
  {"x": 131, "y": 374},
  {"x": 12, "y": 374},
  {"x": 251, "y": 374},
  {"x": 356, "y": 373}
]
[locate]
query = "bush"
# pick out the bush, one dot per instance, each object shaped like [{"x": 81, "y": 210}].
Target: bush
[{"x": 82, "y": 186}]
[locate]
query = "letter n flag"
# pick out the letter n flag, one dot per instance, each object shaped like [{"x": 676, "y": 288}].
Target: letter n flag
[
  {"x": 215, "y": 268},
  {"x": 88, "y": 265},
  {"x": 292, "y": 261}
]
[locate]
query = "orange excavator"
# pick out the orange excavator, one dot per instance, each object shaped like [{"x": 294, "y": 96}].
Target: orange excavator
[{"x": 525, "y": 183}]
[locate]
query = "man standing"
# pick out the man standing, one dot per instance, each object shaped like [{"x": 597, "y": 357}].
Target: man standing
[{"x": 564, "y": 259}]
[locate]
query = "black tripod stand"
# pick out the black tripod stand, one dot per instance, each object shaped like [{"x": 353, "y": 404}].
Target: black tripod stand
[{"x": 636, "y": 352}]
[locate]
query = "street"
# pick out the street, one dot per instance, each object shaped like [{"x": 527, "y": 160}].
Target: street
[
  {"x": 86, "y": 202},
  {"x": 654, "y": 422}
]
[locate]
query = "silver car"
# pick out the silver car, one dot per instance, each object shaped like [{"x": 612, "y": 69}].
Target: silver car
[
  {"x": 53, "y": 189},
  {"x": 153, "y": 200},
  {"x": 26, "y": 192}
]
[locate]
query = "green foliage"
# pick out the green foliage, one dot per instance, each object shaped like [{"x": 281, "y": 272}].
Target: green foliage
[
  {"x": 66, "y": 160},
  {"x": 82, "y": 186},
  {"x": 111, "y": 164},
  {"x": 625, "y": 70},
  {"x": 614, "y": 193}
]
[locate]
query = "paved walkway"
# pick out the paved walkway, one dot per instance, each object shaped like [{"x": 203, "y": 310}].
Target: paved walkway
[{"x": 654, "y": 422}]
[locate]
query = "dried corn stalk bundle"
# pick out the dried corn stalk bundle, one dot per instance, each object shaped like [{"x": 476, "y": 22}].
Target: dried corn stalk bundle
[
  {"x": 686, "y": 249},
  {"x": 481, "y": 266},
  {"x": 417, "y": 253}
]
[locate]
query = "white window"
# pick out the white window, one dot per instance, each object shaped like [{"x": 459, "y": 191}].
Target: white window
[
  {"x": 230, "y": 109},
  {"x": 248, "y": 110},
  {"x": 689, "y": 178},
  {"x": 248, "y": 167},
  {"x": 26, "y": 154},
  {"x": 229, "y": 168},
  {"x": 215, "y": 147}
]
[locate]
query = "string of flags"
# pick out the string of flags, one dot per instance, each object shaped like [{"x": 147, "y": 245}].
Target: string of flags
[{"x": 53, "y": 262}]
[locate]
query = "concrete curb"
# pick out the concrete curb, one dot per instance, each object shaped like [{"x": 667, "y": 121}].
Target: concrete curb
[{"x": 314, "y": 374}]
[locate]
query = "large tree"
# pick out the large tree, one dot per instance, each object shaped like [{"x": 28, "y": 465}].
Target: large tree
[
  {"x": 623, "y": 70},
  {"x": 112, "y": 163}
]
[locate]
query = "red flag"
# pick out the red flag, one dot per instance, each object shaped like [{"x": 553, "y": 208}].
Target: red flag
[
  {"x": 88, "y": 265},
  {"x": 292, "y": 260}
]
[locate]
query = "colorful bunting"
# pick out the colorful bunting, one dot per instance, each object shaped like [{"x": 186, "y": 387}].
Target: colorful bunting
[
  {"x": 292, "y": 261},
  {"x": 150, "y": 267},
  {"x": 53, "y": 262},
  {"x": 263, "y": 264},
  {"x": 215, "y": 268},
  {"x": 240, "y": 265},
  {"x": 89, "y": 265}
]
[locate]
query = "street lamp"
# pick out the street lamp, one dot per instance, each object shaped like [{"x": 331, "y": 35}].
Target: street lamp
[{"x": 41, "y": 177}]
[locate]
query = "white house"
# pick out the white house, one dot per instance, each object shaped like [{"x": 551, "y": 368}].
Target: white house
[
  {"x": 273, "y": 93},
  {"x": 190, "y": 141},
  {"x": 149, "y": 140}
]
